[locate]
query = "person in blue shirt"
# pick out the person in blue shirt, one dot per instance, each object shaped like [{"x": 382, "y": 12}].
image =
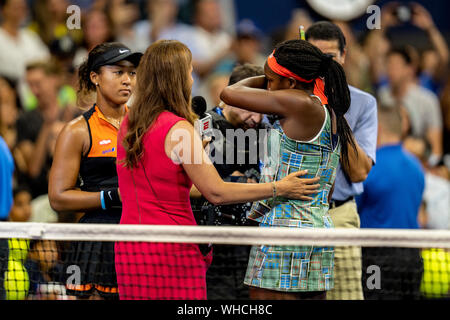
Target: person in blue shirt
[
  {"x": 392, "y": 197},
  {"x": 6, "y": 200},
  {"x": 362, "y": 119}
]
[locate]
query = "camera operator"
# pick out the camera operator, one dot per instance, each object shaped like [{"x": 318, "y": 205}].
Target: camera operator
[{"x": 225, "y": 275}]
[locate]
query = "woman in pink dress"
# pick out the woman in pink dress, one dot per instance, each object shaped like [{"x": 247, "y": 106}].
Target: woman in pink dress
[{"x": 159, "y": 158}]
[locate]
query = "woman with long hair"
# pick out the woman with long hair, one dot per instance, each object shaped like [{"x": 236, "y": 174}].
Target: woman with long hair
[
  {"x": 308, "y": 91},
  {"x": 160, "y": 158},
  {"x": 83, "y": 176}
]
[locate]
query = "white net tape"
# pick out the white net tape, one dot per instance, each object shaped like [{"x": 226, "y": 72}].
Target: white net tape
[{"x": 228, "y": 235}]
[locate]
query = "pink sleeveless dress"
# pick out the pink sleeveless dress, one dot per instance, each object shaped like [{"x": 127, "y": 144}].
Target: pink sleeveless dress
[{"x": 157, "y": 193}]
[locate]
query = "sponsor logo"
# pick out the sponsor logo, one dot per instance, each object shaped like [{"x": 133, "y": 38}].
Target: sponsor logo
[
  {"x": 109, "y": 151},
  {"x": 105, "y": 142}
]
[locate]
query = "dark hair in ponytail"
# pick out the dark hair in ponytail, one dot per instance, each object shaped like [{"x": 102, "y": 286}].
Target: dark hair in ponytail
[
  {"x": 85, "y": 85},
  {"x": 308, "y": 62}
]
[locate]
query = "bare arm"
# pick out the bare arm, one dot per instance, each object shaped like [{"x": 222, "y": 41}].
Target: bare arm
[
  {"x": 62, "y": 192},
  {"x": 205, "y": 177},
  {"x": 423, "y": 19},
  {"x": 434, "y": 136},
  {"x": 250, "y": 94},
  {"x": 365, "y": 138},
  {"x": 359, "y": 164}
]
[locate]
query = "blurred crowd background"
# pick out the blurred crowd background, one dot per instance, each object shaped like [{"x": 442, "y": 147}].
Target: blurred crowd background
[{"x": 39, "y": 57}]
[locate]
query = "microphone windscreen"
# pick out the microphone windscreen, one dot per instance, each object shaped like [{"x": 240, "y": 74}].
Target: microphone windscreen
[{"x": 199, "y": 105}]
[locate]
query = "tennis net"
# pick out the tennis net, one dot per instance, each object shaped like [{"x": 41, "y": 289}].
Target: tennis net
[{"x": 90, "y": 261}]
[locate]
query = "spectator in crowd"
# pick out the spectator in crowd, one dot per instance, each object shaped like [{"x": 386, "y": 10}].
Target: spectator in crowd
[
  {"x": 50, "y": 22},
  {"x": 41, "y": 208},
  {"x": 421, "y": 104},
  {"x": 18, "y": 42},
  {"x": 436, "y": 198},
  {"x": 392, "y": 197},
  {"x": 6, "y": 179},
  {"x": 35, "y": 254},
  {"x": 434, "y": 62},
  {"x": 123, "y": 14},
  {"x": 83, "y": 175},
  {"x": 249, "y": 44},
  {"x": 97, "y": 28},
  {"x": 362, "y": 119},
  {"x": 161, "y": 23},
  {"x": 246, "y": 48},
  {"x": 211, "y": 43},
  {"x": 299, "y": 17},
  {"x": 45, "y": 271},
  {"x": 357, "y": 63},
  {"x": 21, "y": 209},
  {"x": 445, "y": 105},
  {"x": 35, "y": 127},
  {"x": 9, "y": 113}
]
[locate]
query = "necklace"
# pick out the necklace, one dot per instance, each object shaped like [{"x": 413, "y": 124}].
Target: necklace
[{"x": 115, "y": 122}]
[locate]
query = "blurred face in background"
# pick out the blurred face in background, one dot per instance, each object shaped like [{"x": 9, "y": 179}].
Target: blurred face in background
[
  {"x": 21, "y": 209},
  {"x": 247, "y": 49},
  {"x": 398, "y": 70},
  {"x": 330, "y": 47},
  {"x": 163, "y": 9},
  {"x": 58, "y": 9},
  {"x": 8, "y": 105},
  {"x": 430, "y": 61},
  {"x": 96, "y": 28},
  {"x": 43, "y": 86},
  {"x": 15, "y": 11},
  {"x": 208, "y": 15}
]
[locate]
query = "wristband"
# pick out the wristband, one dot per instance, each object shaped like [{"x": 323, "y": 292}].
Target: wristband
[
  {"x": 111, "y": 199},
  {"x": 102, "y": 199}
]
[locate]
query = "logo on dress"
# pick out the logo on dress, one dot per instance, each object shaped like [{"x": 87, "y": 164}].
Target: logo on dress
[{"x": 105, "y": 142}]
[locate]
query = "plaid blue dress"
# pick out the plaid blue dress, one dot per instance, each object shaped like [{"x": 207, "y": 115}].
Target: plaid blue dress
[{"x": 295, "y": 268}]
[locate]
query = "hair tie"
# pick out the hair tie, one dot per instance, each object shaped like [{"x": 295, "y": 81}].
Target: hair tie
[{"x": 325, "y": 64}]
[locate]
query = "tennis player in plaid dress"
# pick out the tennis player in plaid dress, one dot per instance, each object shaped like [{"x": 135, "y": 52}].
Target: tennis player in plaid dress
[
  {"x": 308, "y": 92},
  {"x": 296, "y": 268}
]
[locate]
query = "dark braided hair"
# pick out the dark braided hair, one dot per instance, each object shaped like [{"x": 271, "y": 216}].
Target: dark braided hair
[{"x": 308, "y": 62}]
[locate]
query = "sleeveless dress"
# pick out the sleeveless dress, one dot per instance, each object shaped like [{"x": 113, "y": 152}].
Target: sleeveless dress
[
  {"x": 295, "y": 268},
  {"x": 156, "y": 192},
  {"x": 95, "y": 260}
]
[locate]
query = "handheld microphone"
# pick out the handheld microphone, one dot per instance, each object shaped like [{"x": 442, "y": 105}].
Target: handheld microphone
[{"x": 204, "y": 124}]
